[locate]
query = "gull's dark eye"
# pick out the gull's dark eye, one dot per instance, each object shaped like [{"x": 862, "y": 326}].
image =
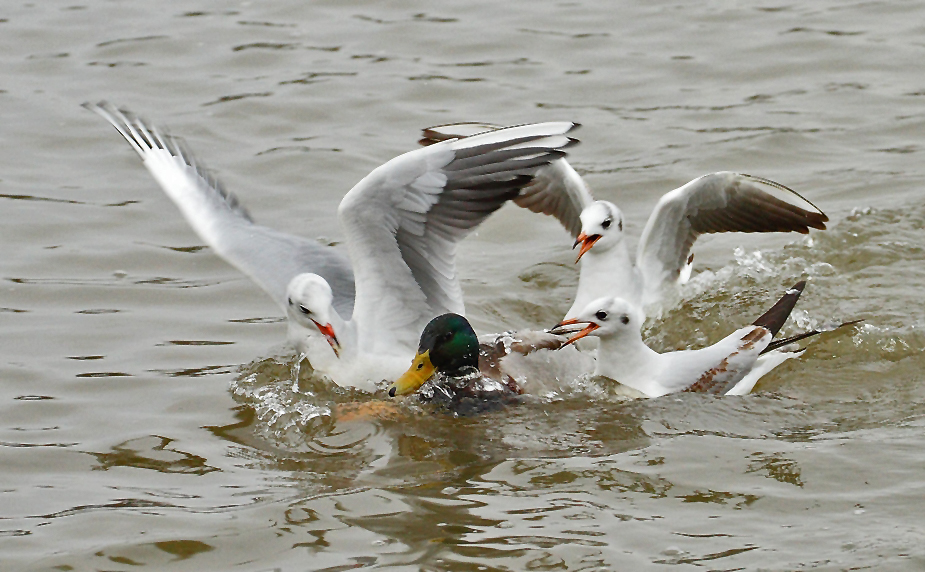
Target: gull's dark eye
[
  {"x": 290, "y": 302},
  {"x": 625, "y": 319},
  {"x": 601, "y": 315},
  {"x": 607, "y": 222},
  {"x": 304, "y": 310},
  {"x": 620, "y": 225}
]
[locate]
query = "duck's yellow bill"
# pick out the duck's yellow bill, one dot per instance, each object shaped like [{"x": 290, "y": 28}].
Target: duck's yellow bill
[{"x": 420, "y": 371}]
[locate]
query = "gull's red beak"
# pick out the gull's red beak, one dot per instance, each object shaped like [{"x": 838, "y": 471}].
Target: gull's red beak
[
  {"x": 586, "y": 243},
  {"x": 329, "y": 335},
  {"x": 582, "y": 333}
]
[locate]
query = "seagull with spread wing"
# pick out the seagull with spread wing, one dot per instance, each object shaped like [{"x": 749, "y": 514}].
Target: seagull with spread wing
[
  {"x": 359, "y": 322},
  {"x": 650, "y": 277}
]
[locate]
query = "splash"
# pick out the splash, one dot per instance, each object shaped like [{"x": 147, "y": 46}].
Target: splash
[
  {"x": 279, "y": 405},
  {"x": 868, "y": 265}
]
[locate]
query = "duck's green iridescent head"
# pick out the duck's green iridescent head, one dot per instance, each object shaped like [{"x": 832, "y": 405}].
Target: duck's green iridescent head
[{"x": 448, "y": 345}]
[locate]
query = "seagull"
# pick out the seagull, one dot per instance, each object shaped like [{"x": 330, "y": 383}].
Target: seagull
[
  {"x": 718, "y": 202},
  {"x": 732, "y": 366},
  {"x": 358, "y": 322}
]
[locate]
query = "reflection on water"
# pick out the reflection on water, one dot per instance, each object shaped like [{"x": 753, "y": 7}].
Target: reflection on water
[{"x": 152, "y": 453}]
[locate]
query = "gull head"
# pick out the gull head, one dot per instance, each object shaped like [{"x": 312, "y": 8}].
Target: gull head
[
  {"x": 448, "y": 346},
  {"x": 601, "y": 227},
  {"x": 309, "y": 303},
  {"x": 604, "y": 318}
]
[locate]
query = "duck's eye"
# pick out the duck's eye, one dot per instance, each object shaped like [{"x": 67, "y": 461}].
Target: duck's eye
[
  {"x": 607, "y": 222},
  {"x": 420, "y": 365},
  {"x": 304, "y": 310},
  {"x": 601, "y": 315},
  {"x": 625, "y": 319}
]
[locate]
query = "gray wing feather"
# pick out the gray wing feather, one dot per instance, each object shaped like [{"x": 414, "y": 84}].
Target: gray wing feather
[
  {"x": 556, "y": 190},
  {"x": 719, "y": 202},
  {"x": 487, "y": 180},
  {"x": 269, "y": 257},
  {"x": 405, "y": 218}
]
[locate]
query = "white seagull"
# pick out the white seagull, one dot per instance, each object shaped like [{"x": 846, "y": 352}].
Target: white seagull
[
  {"x": 359, "y": 323},
  {"x": 731, "y": 366},
  {"x": 718, "y": 202}
]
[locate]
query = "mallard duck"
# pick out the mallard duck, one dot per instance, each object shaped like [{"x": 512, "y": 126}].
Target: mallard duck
[
  {"x": 463, "y": 367},
  {"x": 402, "y": 224},
  {"x": 731, "y": 366}
]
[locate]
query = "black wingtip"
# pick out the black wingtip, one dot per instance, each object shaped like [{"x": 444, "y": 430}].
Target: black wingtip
[{"x": 774, "y": 318}]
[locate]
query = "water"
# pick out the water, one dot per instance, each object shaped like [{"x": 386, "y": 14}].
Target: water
[{"x": 152, "y": 416}]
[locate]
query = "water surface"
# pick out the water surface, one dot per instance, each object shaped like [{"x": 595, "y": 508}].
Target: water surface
[{"x": 152, "y": 415}]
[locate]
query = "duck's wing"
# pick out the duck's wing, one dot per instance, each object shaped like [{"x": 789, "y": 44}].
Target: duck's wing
[
  {"x": 719, "y": 202},
  {"x": 556, "y": 190},
  {"x": 404, "y": 220},
  {"x": 270, "y": 258}
]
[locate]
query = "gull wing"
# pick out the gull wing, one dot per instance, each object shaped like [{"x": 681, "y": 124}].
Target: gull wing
[
  {"x": 830, "y": 327},
  {"x": 747, "y": 345},
  {"x": 404, "y": 220},
  {"x": 719, "y": 202},
  {"x": 270, "y": 258},
  {"x": 777, "y": 315},
  {"x": 739, "y": 351},
  {"x": 556, "y": 190}
]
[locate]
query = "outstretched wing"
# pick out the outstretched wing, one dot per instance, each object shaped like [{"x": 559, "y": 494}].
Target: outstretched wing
[
  {"x": 556, "y": 190},
  {"x": 405, "y": 219},
  {"x": 268, "y": 257},
  {"x": 719, "y": 202}
]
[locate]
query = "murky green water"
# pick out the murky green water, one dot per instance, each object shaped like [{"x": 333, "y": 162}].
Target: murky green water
[{"x": 151, "y": 416}]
